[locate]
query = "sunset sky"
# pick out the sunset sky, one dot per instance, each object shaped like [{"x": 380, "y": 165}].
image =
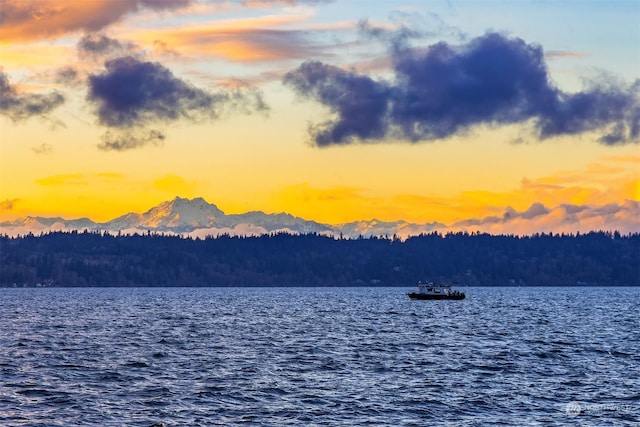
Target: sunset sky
[{"x": 462, "y": 112}]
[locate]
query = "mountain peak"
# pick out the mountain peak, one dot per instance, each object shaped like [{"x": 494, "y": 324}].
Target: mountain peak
[
  {"x": 186, "y": 216},
  {"x": 179, "y": 214}
]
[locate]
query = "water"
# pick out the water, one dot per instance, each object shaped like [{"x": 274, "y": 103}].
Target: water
[{"x": 320, "y": 356}]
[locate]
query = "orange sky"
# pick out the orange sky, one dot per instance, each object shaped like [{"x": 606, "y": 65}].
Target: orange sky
[{"x": 58, "y": 158}]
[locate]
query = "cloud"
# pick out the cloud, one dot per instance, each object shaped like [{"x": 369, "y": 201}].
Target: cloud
[
  {"x": 8, "y": 204},
  {"x": 565, "y": 218},
  {"x": 564, "y": 54},
  {"x": 270, "y": 3},
  {"x": 63, "y": 179},
  {"x": 260, "y": 38},
  {"x": 43, "y": 148},
  {"x": 405, "y": 26},
  {"x": 79, "y": 179},
  {"x": 535, "y": 210},
  {"x": 100, "y": 45},
  {"x": 127, "y": 140},
  {"x": 360, "y": 103},
  {"x": 132, "y": 94},
  {"x": 528, "y": 184},
  {"x": 37, "y": 19},
  {"x": 21, "y": 106},
  {"x": 397, "y": 36},
  {"x": 67, "y": 75},
  {"x": 28, "y": 20},
  {"x": 447, "y": 90},
  {"x": 162, "y": 48}
]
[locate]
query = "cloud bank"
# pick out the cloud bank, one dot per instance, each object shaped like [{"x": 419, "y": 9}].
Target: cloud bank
[
  {"x": 37, "y": 19},
  {"x": 132, "y": 94},
  {"x": 21, "y": 106},
  {"x": 27, "y": 20},
  {"x": 446, "y": 90},
  {"x": 565, "y": 218}
]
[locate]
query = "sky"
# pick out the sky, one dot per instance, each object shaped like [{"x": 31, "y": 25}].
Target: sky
[{"x": 499, "y": 116}]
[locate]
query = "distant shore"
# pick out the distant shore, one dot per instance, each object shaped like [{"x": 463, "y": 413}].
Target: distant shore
[{"x": 100, "y": 260}]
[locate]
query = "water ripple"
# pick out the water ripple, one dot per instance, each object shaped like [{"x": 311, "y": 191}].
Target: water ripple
[{"x": 323, "y": 357}]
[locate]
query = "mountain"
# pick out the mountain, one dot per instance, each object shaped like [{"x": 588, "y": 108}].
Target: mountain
[
  {"x": 191, "y": 217},
  {"x": 178, "y": 215},
  {"x": 198, "y": 219},
  {"x": 279, "y": 222},
  {"x": 38, "y": 224}
]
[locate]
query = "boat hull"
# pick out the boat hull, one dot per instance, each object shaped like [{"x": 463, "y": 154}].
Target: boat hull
[{"x": 419, "y": 296}]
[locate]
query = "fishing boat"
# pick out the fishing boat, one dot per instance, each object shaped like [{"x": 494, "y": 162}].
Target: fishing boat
[{"x": 431, "y": 291}]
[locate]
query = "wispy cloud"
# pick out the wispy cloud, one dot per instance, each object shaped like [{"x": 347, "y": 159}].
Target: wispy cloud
[
  {"x": 40, "y": 19},
  {"x": 30, "y": 20},
  {"x": 21, "y": 106},
  {"x": 101, "y": 45},
  {"x": 8, "y": 204},
  {"x": 43, "y": 148},
  {"x": 123, "y": 140},
  {"x": 262, "y": 38},
  {"x": 79, "y": 179},
  {"x": 63, "y": 179},
  {"x": 551, "y": 54},
  {"x": 447, "y": 90}
]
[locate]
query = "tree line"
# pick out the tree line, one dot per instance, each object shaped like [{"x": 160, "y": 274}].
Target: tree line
[{"x": 280, "y": 259}]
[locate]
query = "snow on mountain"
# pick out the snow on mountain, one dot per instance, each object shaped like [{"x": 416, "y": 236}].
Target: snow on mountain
[
  {"x": 198, "y": 218},
  {"x": 279, "y": 222},
  {"x": 178, "y": 214},
  {"x": 38, "y": 224}
]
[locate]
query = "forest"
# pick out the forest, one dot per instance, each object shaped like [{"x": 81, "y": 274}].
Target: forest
[{"x": 95, "y": 259}]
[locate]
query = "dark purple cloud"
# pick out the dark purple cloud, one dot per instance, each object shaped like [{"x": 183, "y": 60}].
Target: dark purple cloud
[
  {"x": 133, "y": 94},
  {"x": 445, "y": 90},
  {"x": 359, "y": 102},
  {"x": 21, "y": 106}
]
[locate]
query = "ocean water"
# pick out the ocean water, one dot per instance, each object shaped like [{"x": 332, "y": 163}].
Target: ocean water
[{"x": 319, "y": 357}]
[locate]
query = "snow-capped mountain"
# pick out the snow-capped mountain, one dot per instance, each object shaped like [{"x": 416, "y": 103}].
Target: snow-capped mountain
[
  {"x": 281, "y": 221},
  {"x": 38, "y": 224},
  {"x": 177, "y": 215},
  {"x": 192, "y": 217},
  {"x": 197, "y": 218}
]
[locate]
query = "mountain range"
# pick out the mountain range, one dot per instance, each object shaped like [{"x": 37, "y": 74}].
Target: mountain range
[{"x": 198, "y": 218}]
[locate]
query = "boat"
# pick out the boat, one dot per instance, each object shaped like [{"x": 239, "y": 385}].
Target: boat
[{"x": 431, "y": 291}]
